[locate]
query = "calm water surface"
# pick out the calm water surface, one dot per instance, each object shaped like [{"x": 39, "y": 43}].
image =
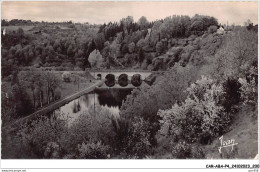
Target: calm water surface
[{"x": 110, "y": 99}]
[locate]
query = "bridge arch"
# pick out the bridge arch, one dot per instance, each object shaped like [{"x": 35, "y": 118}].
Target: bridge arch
[
  {"x": 136, "y": 80},
  {"x": 123, "y": 80},
  {"x": 110, "y": 80}
]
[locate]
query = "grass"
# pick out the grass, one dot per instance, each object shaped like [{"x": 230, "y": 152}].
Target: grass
[
  {"x": 71, "y": 87},
  {"x": 244, "y": 131}
]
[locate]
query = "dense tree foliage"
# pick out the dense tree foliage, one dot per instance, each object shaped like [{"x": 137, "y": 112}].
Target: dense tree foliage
[
  {"x": 28, "y": 91},
  {"x": 181, "y": 120},
  {"x": 207, "y": 79},
  {"x": 199, "y": 117},
  {"x": 69, "y": 45}
]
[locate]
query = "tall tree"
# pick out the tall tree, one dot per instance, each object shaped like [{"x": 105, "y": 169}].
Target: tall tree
[
  {"x": 143, "y": 22},
  {"x": 52, "y": 82}
]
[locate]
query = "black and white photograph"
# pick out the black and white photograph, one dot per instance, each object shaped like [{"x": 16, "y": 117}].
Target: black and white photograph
[{"x": 129, "y": 80}]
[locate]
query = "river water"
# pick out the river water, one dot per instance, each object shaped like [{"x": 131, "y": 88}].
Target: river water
[{"x": 109, "y": 99}]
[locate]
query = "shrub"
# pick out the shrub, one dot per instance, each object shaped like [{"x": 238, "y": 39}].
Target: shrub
[
  {"x": 66, "y": 76},
  {"x": 93, "y": 151},
  {"x": 21, "y": 100},
  {"x": 8, "y": 109},
  {"x": 159, "y": 48},
  {"x": 199, "y": 118},
  {"x": 90, "y": 127},
  {"x": 183, "y": 150},
  {"x": 52, "y": 137},
  {"x": 52, "y": 150},
  {"x": 232, "y": 95},
  {"x": 138, "y": 144},
  {"x": 57, "y": 94},
  {"x": 131, "y": 47},
  {"x": 121, "y": 129},
  {"x": 249, "y": 92},
  {"x": 143, "y": 105},
  {"x": 42, "y": 137},
  {"x": 133, "y": 137},
  {"x": 212, "y": 29}
]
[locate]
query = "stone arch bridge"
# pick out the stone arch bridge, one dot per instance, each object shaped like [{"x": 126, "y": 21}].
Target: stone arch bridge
[{"x": 120, "y": 79}]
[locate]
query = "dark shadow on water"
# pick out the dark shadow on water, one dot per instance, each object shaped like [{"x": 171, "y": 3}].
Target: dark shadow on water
[{"x": 112, "y": 97}]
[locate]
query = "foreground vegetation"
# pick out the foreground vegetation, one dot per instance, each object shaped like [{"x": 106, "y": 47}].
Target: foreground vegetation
[{"x": 210, "y": 86}]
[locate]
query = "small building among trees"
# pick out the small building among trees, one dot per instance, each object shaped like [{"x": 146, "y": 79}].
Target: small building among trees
[{"x": 221, "y": 30}]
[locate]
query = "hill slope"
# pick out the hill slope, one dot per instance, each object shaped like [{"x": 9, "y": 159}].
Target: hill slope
[{"x": 244, "y": 130}]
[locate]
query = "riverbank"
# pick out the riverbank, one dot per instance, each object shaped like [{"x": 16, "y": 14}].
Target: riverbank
[{"x": 54, "y": 105}]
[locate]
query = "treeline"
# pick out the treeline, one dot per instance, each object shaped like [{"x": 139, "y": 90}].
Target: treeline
[
  {"x": 17, "y": 22},
  {"x": 121, "y": 44},
  {"x": 20, "y": 22},
  {"x": 56, "y": 48},
  {"x": 130, "y": 43}
]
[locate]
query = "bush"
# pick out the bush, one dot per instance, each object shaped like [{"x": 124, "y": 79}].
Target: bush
[
  {"x": 41, "y": 137},
  {"x": 142, "y": 104},
  {"x": 232, "y": 95},
  {"x": 57, "y": 94},
  {"x": 159, "y": 48},
  {"x": 90, "y": 127},
  {"x": 183, "y": 150},
  {"x": 8, "y": 109},
  {"x": 212, "y": 29},
  {"x": 66, "y": 76},
  {"x": 93, "y": 151},
  {"x": 131, "y": 47},
  {"x": 52, "y": 150},
  {"x": 52, "y": 137},
  {"x": 199, "y": 118},
  {"x": 248, "y": 89},
  {"x": 21, "y": 100},
  {"x": 138, "y": 144},
  {"x": 132, "y": 137}
]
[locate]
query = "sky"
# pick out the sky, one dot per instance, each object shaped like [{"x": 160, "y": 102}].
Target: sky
[{"x": 104, "y": 12}]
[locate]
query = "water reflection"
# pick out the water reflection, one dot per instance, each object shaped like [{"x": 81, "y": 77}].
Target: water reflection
[{"x": 110, "y": 99}]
